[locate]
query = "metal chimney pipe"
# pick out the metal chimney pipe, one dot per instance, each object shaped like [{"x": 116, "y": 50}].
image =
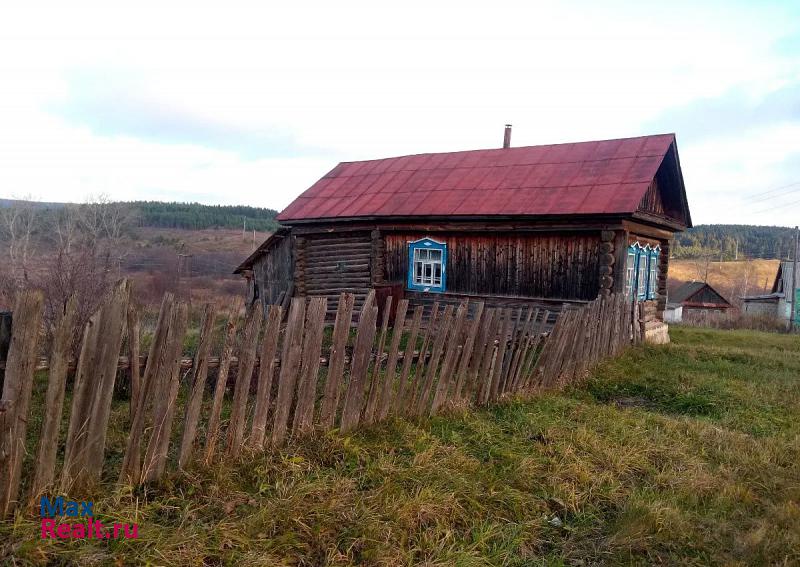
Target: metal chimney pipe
[{"x": 507, "y": 137}]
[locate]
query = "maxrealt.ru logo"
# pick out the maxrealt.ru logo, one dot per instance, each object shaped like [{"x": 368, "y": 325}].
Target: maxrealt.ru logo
[{"x": 91, "y": 529}]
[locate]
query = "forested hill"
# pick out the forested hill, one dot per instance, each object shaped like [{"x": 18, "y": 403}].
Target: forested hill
[
  {"x": 190, "y": 216},
  {"x": 197, "y": 216},
  {"x": 720, "y": 240}
]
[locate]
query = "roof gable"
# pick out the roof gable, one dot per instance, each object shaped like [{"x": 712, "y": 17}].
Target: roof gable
[
  {"x": 783, "y": 279},
  {"x": 603, "y": 177},
  {"x": 697, "y": 293}
]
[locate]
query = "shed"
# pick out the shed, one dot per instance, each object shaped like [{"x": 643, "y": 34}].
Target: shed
[
  {"x": 697, "y": 297},
  {"x": 547, "y": 225},
  {"x": 778, "y": 303}
]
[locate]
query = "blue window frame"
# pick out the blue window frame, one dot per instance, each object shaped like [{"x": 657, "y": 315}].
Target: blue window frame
[
  {"x": 630, "y": 271},
  {"x": 427, "y": 265},
  {"x": 652, "y": 278},
  {"x": 642, "y": 271}
]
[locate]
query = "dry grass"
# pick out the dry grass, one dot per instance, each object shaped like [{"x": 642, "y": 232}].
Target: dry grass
[
  {"x": 731, "y": 279},
  {"x": 684, "y": 454}
]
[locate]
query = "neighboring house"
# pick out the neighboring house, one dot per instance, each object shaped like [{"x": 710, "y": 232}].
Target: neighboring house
[
  {"x": 693, "y": 298},
  {"x": 778, "y": 303},
  {"x": 545, "y": 225}
]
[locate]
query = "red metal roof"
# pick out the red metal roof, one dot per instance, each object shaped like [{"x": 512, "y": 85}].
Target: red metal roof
[{"x": 609, "y": 176}]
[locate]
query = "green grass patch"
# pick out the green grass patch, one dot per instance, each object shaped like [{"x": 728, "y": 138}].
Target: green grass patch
[{"x": 683, "y": 454}]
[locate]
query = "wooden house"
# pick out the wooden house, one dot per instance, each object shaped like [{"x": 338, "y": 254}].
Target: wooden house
[
  {"x": 694, "y": 298},
  {"x": 551, "y": 225},
  {"x": 779, "y": 302}
]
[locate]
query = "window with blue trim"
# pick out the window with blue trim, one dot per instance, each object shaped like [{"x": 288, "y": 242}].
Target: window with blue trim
[
  {"x": 427, "y": 263},
  {"x": 642, "y": 271},
  {"x": 630, "y": 271},
  {"x": 652, "y": 279}
]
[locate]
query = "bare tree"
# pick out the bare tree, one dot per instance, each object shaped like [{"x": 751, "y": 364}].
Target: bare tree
[
  {"x": 66, "y": 227},
  {"x": 18, "y": 225}
]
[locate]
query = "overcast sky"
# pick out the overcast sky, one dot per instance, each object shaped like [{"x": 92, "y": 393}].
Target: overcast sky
[{"x": 251, "y": 103}]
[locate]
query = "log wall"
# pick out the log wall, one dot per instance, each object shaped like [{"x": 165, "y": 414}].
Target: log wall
[
  {"x": 333, "y": 264},
  {"x": 532, "y": 265},
  {"x": 273, "y": 273}
]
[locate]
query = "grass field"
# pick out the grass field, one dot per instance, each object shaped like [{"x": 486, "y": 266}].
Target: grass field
[
  {"x": 731, "y": 279},
  {"x": 684, "y": 454}
]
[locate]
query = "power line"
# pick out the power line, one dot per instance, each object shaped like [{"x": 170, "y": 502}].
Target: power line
[
  {"x": 774, "y": 189},
  {"x": 777, "y": 207}
]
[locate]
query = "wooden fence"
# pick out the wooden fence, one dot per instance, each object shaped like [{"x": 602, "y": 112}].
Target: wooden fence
[{"x": 292, "y": 376}]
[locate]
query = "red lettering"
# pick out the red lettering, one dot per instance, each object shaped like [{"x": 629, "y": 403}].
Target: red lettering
[
  {"x": 134, "y": 533},
  {"x": 48, "y": 528},
  {"x": 64, "y": 530}
]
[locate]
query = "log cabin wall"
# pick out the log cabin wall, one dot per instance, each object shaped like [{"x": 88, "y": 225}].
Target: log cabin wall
[
  {"x": 332, "y": 263},
  {"x": 273, "y": 273},
  {"x": 562, "y": 266}
]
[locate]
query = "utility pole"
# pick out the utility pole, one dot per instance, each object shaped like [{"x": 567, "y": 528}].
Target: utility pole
[
  {"x": 244, "y": 227},
  {"x": 795, "y": 314}
]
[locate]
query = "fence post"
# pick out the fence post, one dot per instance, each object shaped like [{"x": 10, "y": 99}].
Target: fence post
[
  {"x": 333, "y": 382},
  {"x": 167, "y": 382},
  {"x": 16, "y": 399},
  {"x": 212, "y": 432},
  {"x": 131, "y": 462},
  {"x": 290, "y": 365},
  {"x": 391, "y": 364},
  {"x": 404, "y": 387},
  {"x": 199, "y": 377},
  {"x": 354, "y": 398},
  {"x": 54, "y": 399},
  {"x": 452, "y": 349},
  {"x": 244, "y": 377},
  {"x": 309, "y": 367},
  {"x": 266, "y": 371}
]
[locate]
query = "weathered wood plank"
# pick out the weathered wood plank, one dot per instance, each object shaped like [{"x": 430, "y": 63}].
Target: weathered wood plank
[
  {"x": 375, "y": 385},
  {"x": 309, "y": 368},
  {"x": 354, "y": 398},
  {"x": 482, "y": 375},
  {"x": 167, "y": 381},
  {"x": 80, "y": 410},
  {"x": 244, "y": 377},
  {"x": 290, "y": 367},
  {"x": 17, "y": 389},
  {"x": 333, "y": 382},
  {"x": 54, "y": 399},
  {"x": 391, "y": 364},
  {"x": 130, "y": 471},
  {"x": 502, "y": 349},
  {"x": 440, "y": 330},
  {"x": 467, "y": 353},
  {"x": 419, "y": 371},
  {"x": 199, "y": 378},
  {"x": 212, "y": 431},
  {"x": 452, "y": 350},
  {"x": 135, "y": 371},
  {"x": 112, "y": 334},
  {"x": 266, "y": 371},
  {"x": 521, "y": 349},
  {"x": 403, "y": 386}
]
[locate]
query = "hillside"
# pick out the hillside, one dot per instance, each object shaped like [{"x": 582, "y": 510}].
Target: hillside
[
  {"x": 731, "y": 279},
  {"x": 684, "y": 454},
  {"x": 157, "y": 214},
  {"x": 734, "y": 241}
]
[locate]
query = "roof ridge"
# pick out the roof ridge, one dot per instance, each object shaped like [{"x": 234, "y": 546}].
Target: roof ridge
[{"x": 511, "y": 148}]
